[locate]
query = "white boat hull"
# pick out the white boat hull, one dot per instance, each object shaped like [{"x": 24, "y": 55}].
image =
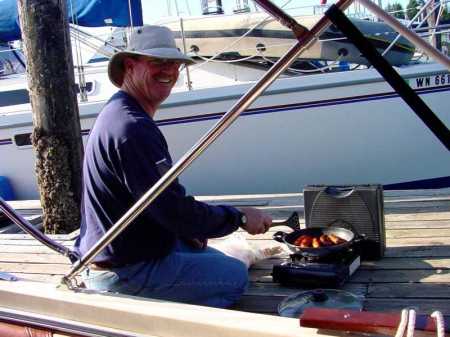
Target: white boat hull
[
  {"x": 102, "y": 314},
  {"x": 335, "y": 128}
]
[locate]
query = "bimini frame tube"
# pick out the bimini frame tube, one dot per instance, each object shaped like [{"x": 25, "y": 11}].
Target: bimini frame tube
[
  {"x": 304, "y": 41},
  {"x": 410, "y": 35},
  {"x": 27, "y": 227}
]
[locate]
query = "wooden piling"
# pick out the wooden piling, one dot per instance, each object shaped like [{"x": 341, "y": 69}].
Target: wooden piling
[{"x": 56, "y": 135}]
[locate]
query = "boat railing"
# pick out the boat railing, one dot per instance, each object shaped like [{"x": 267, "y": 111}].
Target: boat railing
[
  {"x": 418, "y": 15},
  {"x": 410, "y": 35}
]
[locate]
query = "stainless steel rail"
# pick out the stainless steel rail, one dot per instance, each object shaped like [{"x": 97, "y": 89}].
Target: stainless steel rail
[
  {"x": 305, "y": 39},
  {"x": 28, "y": 228}
]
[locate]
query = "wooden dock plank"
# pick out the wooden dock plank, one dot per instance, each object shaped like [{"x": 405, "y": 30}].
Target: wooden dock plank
[
  {"x": 33, "y": 258},
  {"x": 34, "y": 249},
  {"x": 31, "y": 242},
  {"x": 422, "y": 306},
  {"x": 35, "y": 268},
  {"x": 376, "y": 276},
  {"x": 43, "y": 277},
  {"x": 383, "y": 264},
  {"x": 409, "y": 290}
]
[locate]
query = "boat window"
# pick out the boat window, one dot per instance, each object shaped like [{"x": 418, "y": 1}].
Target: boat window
[
  {"x": 21, "y": 96},
  {"x": 90, "y": 87},
  {"x": 23, "y": 139},
  {"x": 13, "y": 97}
]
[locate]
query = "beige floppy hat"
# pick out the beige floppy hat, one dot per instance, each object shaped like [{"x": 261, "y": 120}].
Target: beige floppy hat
[{"x": 153, "y": 41}]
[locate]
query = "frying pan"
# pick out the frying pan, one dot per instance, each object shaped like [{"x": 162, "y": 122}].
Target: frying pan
[{"x": 289, "y": 238}]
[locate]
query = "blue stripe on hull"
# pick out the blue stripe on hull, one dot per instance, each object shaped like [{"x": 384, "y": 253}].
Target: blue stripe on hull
[
  {"x": 299, "y": 106},
  {"x": 7, "y": 141}
]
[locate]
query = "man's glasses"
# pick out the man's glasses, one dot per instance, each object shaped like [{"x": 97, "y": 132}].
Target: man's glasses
[{"x": 164, "y": 62}]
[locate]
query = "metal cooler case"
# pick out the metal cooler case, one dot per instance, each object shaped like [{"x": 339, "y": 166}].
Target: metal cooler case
[{"x": 360, "y": 207}]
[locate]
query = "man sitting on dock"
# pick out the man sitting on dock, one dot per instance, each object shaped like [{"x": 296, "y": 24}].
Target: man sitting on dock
[{"x": 163, "y": 253}]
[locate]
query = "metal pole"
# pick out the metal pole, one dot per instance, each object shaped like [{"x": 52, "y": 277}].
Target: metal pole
[
  {"x": 279, "y": 67},
  {"x": 28, "y": 228},
  {"x": 413, "y": 37},
  {"x": 188, "y": 76}
]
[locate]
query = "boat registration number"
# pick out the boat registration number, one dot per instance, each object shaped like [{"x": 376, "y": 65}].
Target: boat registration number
[{"x": 430, "y": 81}]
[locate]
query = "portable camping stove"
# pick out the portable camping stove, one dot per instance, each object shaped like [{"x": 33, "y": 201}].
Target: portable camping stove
[{"x": 314, "y": 272}]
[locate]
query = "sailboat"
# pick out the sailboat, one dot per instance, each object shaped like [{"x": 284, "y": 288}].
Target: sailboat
[
  {"x": 329, "y": 119},
  {"x": 268, "y": 39}
]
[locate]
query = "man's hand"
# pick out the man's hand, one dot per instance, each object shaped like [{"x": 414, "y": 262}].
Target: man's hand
[{"x": 258, "y": 222}]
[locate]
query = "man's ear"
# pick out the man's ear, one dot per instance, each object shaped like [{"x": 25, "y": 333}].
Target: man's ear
[{"x": 128, "y": 63}]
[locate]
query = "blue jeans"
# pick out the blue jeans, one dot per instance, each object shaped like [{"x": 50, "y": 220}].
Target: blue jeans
[{"x": 196, "y": 276}]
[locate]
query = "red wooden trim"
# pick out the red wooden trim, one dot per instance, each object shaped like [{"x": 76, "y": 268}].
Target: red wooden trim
[{"x": 363, "y": 321}]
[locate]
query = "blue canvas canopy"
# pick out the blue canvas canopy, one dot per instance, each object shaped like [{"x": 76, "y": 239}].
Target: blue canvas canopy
[
  {"x": 89, "y": 13},
  {"x": 9, "y": 21}
]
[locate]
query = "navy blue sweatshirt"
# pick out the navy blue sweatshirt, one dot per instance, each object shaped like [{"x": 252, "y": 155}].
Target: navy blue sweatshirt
[{"x": 125, "y": 155}]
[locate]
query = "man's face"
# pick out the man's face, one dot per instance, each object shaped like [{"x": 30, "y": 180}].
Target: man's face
[{"x": 152, "y": 79}]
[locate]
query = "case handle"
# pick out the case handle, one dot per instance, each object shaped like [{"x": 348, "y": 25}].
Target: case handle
[{"x": 339, "y": 192}]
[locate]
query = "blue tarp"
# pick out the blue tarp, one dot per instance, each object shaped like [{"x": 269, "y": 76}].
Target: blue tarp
[
  {"x": 89, "y": 13},
  {"x": 9, "y": 21}
]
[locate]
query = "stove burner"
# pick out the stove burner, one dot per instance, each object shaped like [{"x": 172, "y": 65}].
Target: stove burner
[{"x": 316, "y": 272}]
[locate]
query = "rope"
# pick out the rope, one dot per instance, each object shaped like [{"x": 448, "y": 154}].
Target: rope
[
  {"x": 188, "y": 8},
  {"x": 403, "y": 322},
  {"x": 79, "y": 57},
  {"x": 131, "y": 16},
  {"x": 411, "y": 323},
  {"x": 440, "y": 324},
  {"x": 321, "y": 69},
  {"x": 76, "y": 36},
  {"x": 408, "y": 322},
  {"x": 206, "y": 59}
]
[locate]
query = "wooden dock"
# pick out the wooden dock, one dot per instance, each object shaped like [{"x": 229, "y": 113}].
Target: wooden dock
[{"x": 415, "y": 271}]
